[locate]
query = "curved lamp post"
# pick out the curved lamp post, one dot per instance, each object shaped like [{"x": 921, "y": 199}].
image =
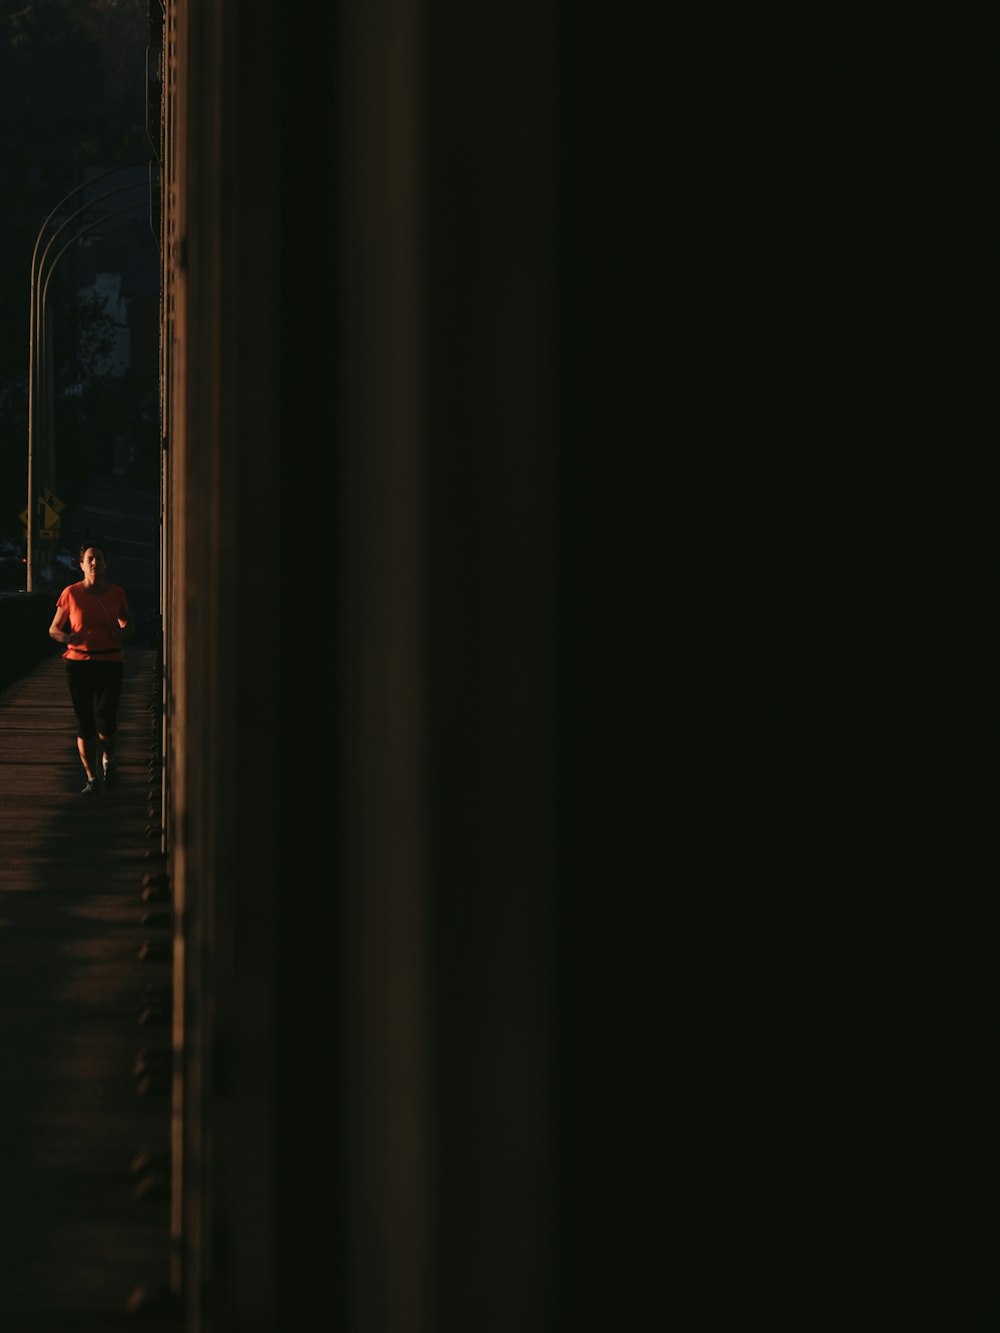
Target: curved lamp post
[
  {"x": 41, "y": 372},
  {"x": 35, "y": 353}
]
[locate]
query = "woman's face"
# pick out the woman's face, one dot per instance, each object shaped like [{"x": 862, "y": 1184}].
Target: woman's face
[{"x": 92, "y": 563}]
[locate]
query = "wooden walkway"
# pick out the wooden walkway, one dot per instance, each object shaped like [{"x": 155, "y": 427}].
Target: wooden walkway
[{"x": 84, "y": 1019}]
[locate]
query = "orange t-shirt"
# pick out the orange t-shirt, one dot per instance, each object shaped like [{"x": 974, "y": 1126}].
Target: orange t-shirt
[{"x": 96, "y": 615}]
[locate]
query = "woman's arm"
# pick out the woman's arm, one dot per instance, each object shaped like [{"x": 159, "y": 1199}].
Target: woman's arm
[{"x": 56, "y": 628}]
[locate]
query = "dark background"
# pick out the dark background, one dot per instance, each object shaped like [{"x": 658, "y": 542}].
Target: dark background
[
  {"x": 839, "y": 225},
  {"x": 73, "y": 107}
]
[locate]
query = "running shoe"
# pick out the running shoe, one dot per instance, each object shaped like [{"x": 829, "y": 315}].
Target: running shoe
[
  {"x": 111, "y": 777},
  {"x": 93, "y": 788}
]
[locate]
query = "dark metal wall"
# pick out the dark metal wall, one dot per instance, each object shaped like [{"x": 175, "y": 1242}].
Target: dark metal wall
[{"x": 387, "y": 626}]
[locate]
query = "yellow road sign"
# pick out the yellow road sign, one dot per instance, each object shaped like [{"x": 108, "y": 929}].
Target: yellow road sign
[
  {"x": 52, "y": 500},
  {"x": 48, "y": 517}
]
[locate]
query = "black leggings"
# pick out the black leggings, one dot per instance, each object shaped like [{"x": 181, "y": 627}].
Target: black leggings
[{"x": 95, "y": 689}]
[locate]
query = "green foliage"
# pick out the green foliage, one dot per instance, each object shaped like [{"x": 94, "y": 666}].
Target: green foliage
[{"x": 94, "y": 341}]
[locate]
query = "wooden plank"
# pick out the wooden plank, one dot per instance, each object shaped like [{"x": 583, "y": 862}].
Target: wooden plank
[{"x": 79, "y": 1231}]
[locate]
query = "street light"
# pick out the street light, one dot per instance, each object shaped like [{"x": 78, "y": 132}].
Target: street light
[
  {"x": 34, "y": 353},
  {"x": 43, "y": 376}
]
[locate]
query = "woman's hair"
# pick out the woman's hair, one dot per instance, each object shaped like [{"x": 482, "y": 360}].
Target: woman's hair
[{"x": 85, "y": 546}]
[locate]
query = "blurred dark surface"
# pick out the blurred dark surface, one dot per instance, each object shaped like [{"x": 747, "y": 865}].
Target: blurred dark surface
[
  {"x": 24, "y": 640},
  {"x": 839, "y": 556}
]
